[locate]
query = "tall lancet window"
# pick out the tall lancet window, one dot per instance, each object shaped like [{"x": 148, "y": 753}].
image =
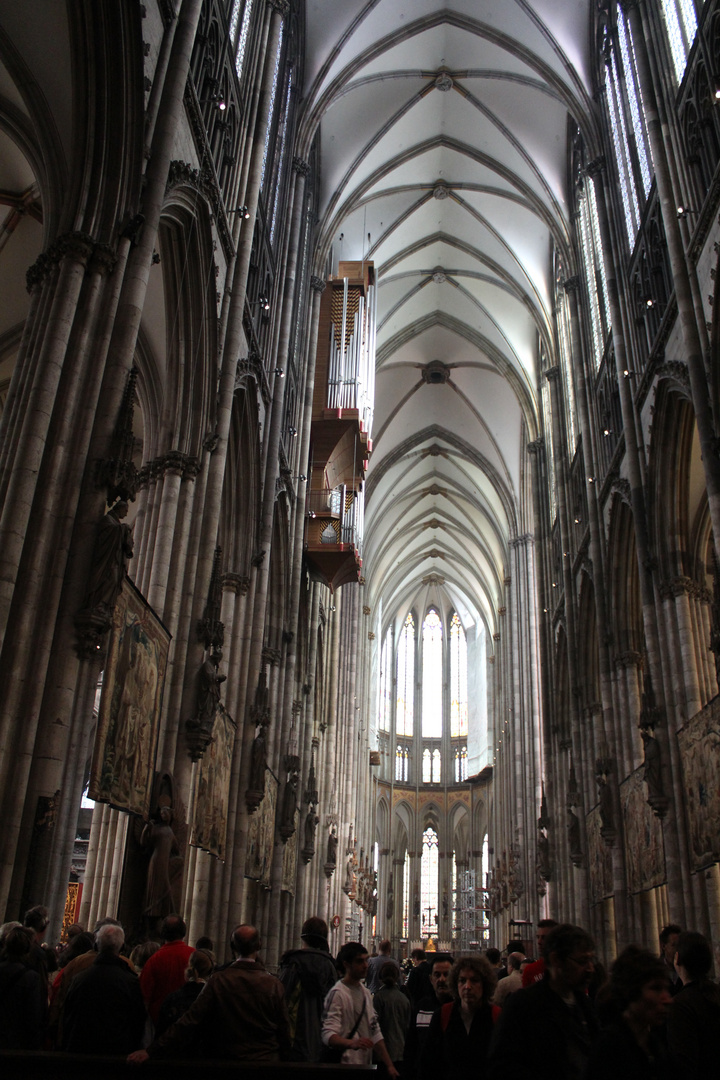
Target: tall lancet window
[
  {"x": 458, "y": 679},
  {"x": 385, "y": 702},
  {"x": 429, "y": 882},
  {"x": 594, "y": 263},
  {"x": 239, "y": 40},
  {"x": 627, "y": 122},
  {"x": 432, "y": 678},
  {"x": 431, "y": 766},
  {"x": 460, "y": 764},
  {"x": 406, "y": 679},
  {"x": 271, "y": 110},
  {"x": 681, "y": 24}
]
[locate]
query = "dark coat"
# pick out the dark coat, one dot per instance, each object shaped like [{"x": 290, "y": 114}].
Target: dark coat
[
  {"x": 240, "y": 1015},
  {"x": 693, "y": 1029},
  {"x": 456, "y": 1052},
  {"x": 539, "y": 1037},
  {"x": 23, "y": 1007},
  {"x": 104, "y": 1009},
  {"x": 176, "y": 1004},
  {"x": 308, "y": 976},
  {"x": 617, "y": 1054}
]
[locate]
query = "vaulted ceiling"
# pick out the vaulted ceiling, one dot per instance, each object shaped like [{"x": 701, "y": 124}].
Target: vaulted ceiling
[{"x": 444, "y": 134}]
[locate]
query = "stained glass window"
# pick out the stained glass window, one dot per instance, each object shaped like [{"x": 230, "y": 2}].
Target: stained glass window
[
  {"x": 402, "y": 764},
  {"x": 271, "y": 110},
  {"x": 406, "y": 894},
  {"x": 458, "y": 678},
  {"x": 405, "y": 679},
  {"x": 460, "y": 764},
  {"x": 432, "y": 682},
  {"x": 681, "y": 25},
  {"x": 429, "y": 882},
  {"x": 281, "y": 158},
  {"x": 431, "y": 766},
  {"x": 594, "y": 264},
  {"x": 244, "y": 32},
  {"x": 385, "y": 703},
  {"x": 628, "y": 123}
]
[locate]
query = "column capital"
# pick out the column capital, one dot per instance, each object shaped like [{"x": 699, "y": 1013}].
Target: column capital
[
  {"x": 552, "y": 374},
  {"x": 301, "y": 167},
  {"x": 536, "y": 446},
  {"x": 237, "y": 583},
  {"x": 596, "y": 166},
  {"x": 317, "y": 284},
  {"x": 281, "y": 6},
  {"x": 572, "y": 284}
]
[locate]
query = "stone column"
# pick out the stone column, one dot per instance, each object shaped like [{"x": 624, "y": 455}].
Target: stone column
[{"x": 675, "y": 864}]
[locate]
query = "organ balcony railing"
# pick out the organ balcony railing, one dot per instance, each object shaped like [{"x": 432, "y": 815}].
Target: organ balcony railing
[
  {"x": 344, "y": 395},
  {"x": 333, "y": 538}
]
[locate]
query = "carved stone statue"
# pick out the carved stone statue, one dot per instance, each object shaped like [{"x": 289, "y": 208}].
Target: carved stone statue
[
  {"x": 607, "y": 817},
  {"x": 258, "y": 760},
  {"x": 289, "y": 806},
  {"x": 653, "y": 772},
  {"x": 209, "y": 681},
  {"x": 332, "y": 846},
  {"x": 113, "y": 551},
  {"x": 573, "y": 827},
  {"x": 159, "y": 838},
  {"x": 543, "y": 855},
  {"x": 199, "y": 728},
  {"x": 311, "y": 821},
  {"x": 349, "y": 886}
]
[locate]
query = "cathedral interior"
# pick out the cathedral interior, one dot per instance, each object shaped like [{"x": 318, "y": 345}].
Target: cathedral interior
[{"x": 360, "y": 466}]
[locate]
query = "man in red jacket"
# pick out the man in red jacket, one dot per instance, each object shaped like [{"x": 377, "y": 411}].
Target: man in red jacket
[
  {"x": 165, "y": 970},
  {"x": 533, "y": 973}
]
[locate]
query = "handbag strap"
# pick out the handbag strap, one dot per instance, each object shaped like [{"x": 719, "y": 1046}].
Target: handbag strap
[{"x": 357, "y": 1022}]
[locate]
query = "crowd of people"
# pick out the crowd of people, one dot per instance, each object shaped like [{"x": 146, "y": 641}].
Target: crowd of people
[{"x": 558, "y": 1016}]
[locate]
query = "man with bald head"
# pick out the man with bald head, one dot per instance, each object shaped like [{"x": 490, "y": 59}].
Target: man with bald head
[{"x": 240, "y": 1015}]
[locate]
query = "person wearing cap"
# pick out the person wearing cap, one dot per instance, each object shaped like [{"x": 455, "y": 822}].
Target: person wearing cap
[{"x": 308, "y": 974}]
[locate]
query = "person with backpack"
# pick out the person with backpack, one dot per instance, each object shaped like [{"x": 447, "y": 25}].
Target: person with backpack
[
  {"x": 307, "y": 974},
  {"x": 460, "y": 1031}
]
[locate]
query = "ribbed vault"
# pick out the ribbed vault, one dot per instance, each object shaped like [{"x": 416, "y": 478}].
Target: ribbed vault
[{"x": 443, "y": 134}]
